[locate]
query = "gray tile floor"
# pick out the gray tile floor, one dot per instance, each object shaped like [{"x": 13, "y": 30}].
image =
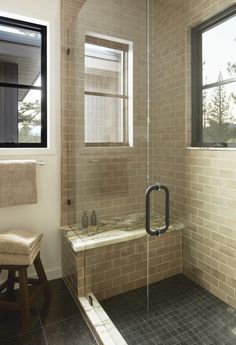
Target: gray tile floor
[
  {"x": 61, "y": 323},
  {"x": 180, "y": 312}
]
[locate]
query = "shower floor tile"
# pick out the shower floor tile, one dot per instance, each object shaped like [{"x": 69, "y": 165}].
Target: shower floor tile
[{"x": 180, "y": 312}]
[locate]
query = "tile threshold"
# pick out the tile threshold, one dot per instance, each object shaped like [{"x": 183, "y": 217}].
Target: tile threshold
[
  {"x": 99, "y": 323},
  {"x": 104, "y": 328}
]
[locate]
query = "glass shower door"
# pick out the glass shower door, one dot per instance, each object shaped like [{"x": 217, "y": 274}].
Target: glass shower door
[
  {"x": 109, "y": 153},
  {"x": 108, "y": 54}
]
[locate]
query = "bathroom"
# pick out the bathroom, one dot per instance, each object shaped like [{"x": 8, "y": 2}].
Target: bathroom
[{"x": 108, "y": 140}]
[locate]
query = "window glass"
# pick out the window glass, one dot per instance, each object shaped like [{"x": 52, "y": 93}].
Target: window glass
[
  {"x": 214, "y": 81},
  {"x": 106, "y": 92},
  {"x": 219, "y": 115},
  {"x": 219, "y": 51},
  {"x": 21, "y": 49},
  {"x": 104, "y": 120},
  {"x": 22, "y": 123},
  {"x": 23, "y": 86},
  {"x": 103, "y": 69}
]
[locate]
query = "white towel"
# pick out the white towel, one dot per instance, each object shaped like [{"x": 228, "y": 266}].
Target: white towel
[{"x": 17, "y": 182}]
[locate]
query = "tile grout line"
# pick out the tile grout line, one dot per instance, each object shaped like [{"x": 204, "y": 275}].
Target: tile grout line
[
  {"x": 44, "y": 334},
  {"x": 40, "y": 327}
]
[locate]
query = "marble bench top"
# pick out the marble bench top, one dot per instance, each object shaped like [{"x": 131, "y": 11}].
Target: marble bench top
[{"x": 114, "y": 230}]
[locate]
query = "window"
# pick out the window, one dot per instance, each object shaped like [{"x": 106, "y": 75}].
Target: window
[
  {"x": 107, "y": 99},
  {"x": 214, "y": 81},
  {"x": 23, "y": 84}
]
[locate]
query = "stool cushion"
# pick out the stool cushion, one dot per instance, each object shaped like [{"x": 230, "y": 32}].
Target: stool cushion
[{"x": 19, "y": 247}]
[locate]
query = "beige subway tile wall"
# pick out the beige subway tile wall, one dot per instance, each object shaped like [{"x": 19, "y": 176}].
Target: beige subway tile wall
[
  {"x": 116, "y": 268},
  {"x": 69, "y": 12},
  {"x": 202, "y": 182},
  {"x": 110, "y": 180}
]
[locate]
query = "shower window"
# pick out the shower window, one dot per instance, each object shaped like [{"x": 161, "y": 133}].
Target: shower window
[
  {"x": 214, "y": 81},
  {"x": 107, "y": 85}
]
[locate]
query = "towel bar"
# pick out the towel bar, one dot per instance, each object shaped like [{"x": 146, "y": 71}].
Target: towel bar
[{"x": 40, "y": 162}]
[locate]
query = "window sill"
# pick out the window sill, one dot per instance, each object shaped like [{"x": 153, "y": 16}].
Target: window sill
[
  {"x": 26, "y": 151},
  {"x": 211, "y": 148}
]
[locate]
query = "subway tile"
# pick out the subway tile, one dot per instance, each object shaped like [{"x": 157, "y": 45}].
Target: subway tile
[
  {"x": 227, "y": 289},
  {"x": 227, "y": 251},
  {"x": 202, "y": 183}
]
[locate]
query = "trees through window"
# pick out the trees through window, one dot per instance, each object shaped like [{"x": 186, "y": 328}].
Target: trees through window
[{"x": 214, "y": 81}]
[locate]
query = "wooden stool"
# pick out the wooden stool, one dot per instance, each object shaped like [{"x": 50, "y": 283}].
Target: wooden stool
[{"x": 22, "y": 262}]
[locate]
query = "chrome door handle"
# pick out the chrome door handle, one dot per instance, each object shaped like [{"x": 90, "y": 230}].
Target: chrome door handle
[{"x": 156, "y": 231}]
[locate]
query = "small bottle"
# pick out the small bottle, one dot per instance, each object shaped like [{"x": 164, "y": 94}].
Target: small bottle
[
  {"x": 93, "y": 218},
  {"x": 84, "y": 221}
]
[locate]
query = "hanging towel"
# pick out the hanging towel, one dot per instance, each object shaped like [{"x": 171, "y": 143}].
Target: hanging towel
[{"x": 17, "y": 183}]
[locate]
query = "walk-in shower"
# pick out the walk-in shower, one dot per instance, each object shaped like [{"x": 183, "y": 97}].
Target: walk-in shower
[{"x": 125, "y": 128}]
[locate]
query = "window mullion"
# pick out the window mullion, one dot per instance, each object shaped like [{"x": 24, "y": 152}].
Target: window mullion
[
  {"x": 103, "y": 94},
  {"x": 219, "y": 83},
  {"x": 20, "y": 86}
]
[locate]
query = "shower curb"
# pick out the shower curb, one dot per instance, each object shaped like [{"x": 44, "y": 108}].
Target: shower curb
[{"x": 99, "y": 323}]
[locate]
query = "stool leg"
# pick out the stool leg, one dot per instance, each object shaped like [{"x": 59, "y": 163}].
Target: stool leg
[
  {"x": 42, "y": 277},
  {"x": 24, "y": 299},
  {"x": 11, "y": 283}
]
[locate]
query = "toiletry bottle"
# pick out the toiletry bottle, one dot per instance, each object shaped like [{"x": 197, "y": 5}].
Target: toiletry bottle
[
  {"x": 93, "y": 218},
  {"x": 84, "y": 221}
]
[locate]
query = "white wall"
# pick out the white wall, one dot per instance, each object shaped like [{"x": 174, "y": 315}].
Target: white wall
[{"x": 45, "y": 215}]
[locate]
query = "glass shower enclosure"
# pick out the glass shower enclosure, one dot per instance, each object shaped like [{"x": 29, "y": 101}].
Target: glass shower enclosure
[{"x": 109, "y": 156}]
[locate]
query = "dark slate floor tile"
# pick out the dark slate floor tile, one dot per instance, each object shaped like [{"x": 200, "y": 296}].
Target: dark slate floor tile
[
  {"x": 10, "y": 324},
  {"x": 61, "y": 318},
  {"x": 72, "y": 331},
  {"x": 32, "y": 338},
  {"x": 58, "y": 286},
  {"x": 180, "y": 312},
  {"x": 62, "y": 306}
]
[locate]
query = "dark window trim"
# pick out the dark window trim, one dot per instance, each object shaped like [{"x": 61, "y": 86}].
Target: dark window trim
[
  {"x": 43, "y": 30},
  {"x": 196, "y": 76},
  {"x": 20, "y": 86}
]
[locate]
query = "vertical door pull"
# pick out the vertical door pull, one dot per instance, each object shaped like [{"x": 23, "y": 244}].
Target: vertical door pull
[{"x": 156, "y": 231}]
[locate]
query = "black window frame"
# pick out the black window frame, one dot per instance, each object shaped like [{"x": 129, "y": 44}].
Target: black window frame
[
  {"x": 43, "y": 88},
  {"x": 196, "y": 76}
]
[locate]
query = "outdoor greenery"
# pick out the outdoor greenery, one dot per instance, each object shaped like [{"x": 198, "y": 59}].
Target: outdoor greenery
[
  {"x": 28, "y": 119},
  {"x": 232, "y": 71},
  {"x": 218, "y": 119}
]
